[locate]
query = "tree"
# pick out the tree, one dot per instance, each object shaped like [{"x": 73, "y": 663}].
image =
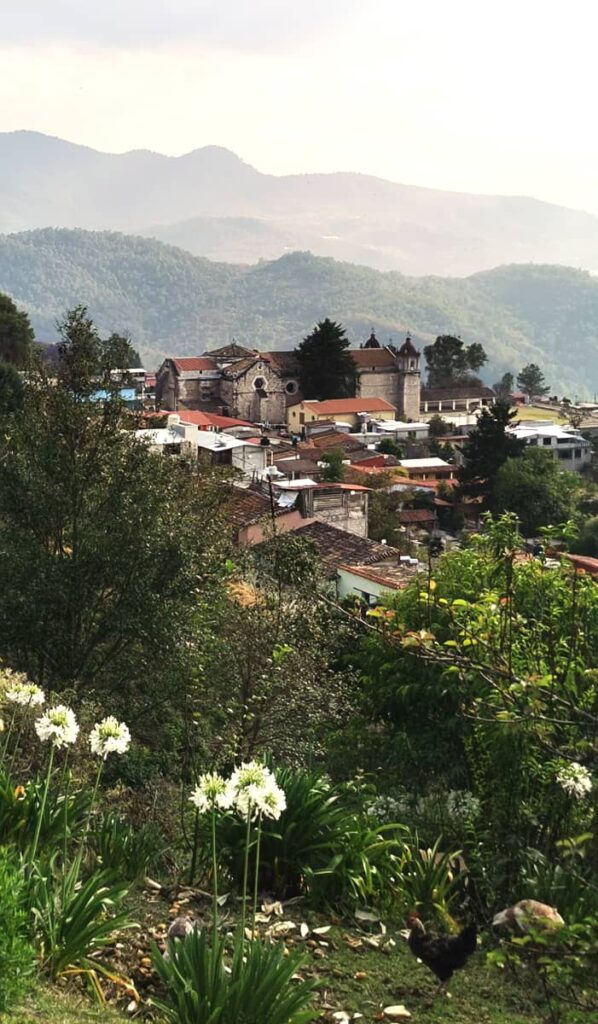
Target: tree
[
  {"x": 484, "y": 452},
  {"x": 503, "y": 388},
  {"x": 536, "y": 490},
  {"x": 573, "y": 415},
  {"x": 587, "y": 542},
  {"x": 326, "y": 367},
  {"x": 449, "y": 362},
  {"x": 104, "y": 545},
  {"x": 334, "y": 470},
  {"x": 120, "y": 353},
  {"x": 16, "y": 333},
  {"x": 11, "y": 390},
  {"x": 531, "y": 381},
  {"x": 438, "y": 426},
  {"x": 388, "y": 446}
]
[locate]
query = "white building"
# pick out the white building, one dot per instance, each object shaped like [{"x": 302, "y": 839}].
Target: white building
[
  {"x": 179, "y": 438},
  {"x": 566, "y": 444},
  {"x": 399, "y": 431}
]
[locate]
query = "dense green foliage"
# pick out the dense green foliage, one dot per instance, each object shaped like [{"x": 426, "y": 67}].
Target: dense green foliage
[
  {"x": 536, "y": 490},
  {"x": 16, "y": 333},
  {"x": 99, "y": 538},
  {"x": 17, "y": 964},
  {"x": 11, "y": 389},
  {"x": 326, "y": 369},
  {"x": 172, "y": 303},
  {"x": 486, "y": 449},
  {"x": 451, "y": 363}
]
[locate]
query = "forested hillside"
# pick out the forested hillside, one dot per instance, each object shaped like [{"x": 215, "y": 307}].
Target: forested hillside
[
  {"x": 172, "y": 302},
  {"x": 213, "y": 204}
]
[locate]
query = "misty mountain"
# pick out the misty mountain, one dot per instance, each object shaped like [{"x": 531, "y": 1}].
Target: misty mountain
[
  {"x": 173, "y": 303},
  {"x": 214, "y": 205}
]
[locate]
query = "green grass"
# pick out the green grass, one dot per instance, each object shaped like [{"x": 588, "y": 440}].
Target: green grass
[
  {"x": 534, "y": 412},
  {"x": 60, "y": 1006},
  {"x": 479, "y": 994},
  {"x": 362, "y": 980}
]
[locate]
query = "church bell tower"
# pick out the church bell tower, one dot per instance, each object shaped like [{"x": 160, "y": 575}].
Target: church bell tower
[{"x": 408, "y": 381}]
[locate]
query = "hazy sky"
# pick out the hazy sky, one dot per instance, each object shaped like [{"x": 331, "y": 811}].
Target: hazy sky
[{"x": 471, "y": 95}]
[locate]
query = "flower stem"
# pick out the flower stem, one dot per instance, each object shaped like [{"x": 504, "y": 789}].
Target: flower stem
[
  {"x": 246, "y": 870},
  {"x": 257, "y": 875},
  {"x": 42, "y": 810},
  {"x": 214, "y": 881},
  {"x": 81, "y": 849},
  {"x": 7, "y": 740},
  {"x": 65, "y": 797}
]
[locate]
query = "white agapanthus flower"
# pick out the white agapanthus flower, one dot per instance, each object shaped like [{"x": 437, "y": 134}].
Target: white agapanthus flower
[
  {"x": 255, "y": 791},
  {"x": 58, "y": 725},
  {"x": 460, "y": 803},
  {"x": 109, "y": 737},
  {"x": 273, "y": 802},
  {"x": 212, "y": 793},
  {"x": 575, "y": 780},
  {"x": 25, "y": 694}
]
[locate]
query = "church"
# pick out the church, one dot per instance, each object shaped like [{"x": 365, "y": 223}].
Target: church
[{"x": 259, "y": 386}]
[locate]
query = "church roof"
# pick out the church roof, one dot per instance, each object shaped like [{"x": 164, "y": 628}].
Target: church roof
[
  {"x": 372, "y": 358},
  {"x": 232, "y": 351}
]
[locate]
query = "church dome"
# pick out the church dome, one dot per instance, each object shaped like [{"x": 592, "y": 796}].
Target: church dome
[
  {"x": 407, "y": 349},
  {"x": 372, "y": 341}
]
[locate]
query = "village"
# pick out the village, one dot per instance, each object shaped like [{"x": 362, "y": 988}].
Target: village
[{"x": 311, "y": 466}]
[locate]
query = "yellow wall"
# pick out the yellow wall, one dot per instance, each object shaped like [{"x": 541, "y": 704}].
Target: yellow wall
[{"x": 302, "y": 413}]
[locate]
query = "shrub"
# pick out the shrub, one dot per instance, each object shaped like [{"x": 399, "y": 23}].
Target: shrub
[
  {"x": 129, "y": 852},
  {"x": 73, "y": 919},
  {"x": 20, "y": 807},
  {"x": 17, "y": 958},
  {"x": 429, "y": 880},
  {"x": 323, "y": 846},
  {"x": 258, "y": 990}
]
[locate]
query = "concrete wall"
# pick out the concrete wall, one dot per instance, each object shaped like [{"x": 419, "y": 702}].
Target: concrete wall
[
  {"x": 379, "y": 384},
  {"x": 255, "y": 533},
  {"x": 409, "y": 392},
  {"x": 349, "y": 583}
]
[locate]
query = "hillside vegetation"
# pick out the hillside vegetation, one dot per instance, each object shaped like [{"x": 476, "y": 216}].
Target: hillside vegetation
[
  {"x": 215, "y": 205},
  {"x": 171, "y": 302}
]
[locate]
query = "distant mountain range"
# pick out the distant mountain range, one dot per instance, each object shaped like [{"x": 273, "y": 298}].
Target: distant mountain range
[
  {"x": 171, "y": 302},
  {"x": 213, "y": 204}
]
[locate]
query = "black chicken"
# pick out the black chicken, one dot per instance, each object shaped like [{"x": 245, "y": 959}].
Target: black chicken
[{"x": 443, "y": 954}]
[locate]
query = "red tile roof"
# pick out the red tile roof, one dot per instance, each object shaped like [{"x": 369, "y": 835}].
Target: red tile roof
[
  {"x": 400, "y": 578},
  {"x": 205, "y": 420},
  {"x": 343, "y": 487},
  {"x": 189, "y": 364},
  {"x": 336, "y": 547},
  {"x": 416, "y": 515},
  {"x": 333, "y": 406}
]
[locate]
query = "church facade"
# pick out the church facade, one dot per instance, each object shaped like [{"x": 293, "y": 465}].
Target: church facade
[{"x": 259, "y": 386}]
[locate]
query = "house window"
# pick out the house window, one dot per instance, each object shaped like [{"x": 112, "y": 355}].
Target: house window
[
  {"x": 259, "y": 384},
  {"x": 547, "y": 440},
  {"x": 291, "y": 387},
  {"x": 578, "y": 453}
]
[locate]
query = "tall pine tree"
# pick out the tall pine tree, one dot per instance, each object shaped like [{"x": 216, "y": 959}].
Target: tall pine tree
[
  {"x": 487, "y": 448},
  {"x": 326, "y": 367}
]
